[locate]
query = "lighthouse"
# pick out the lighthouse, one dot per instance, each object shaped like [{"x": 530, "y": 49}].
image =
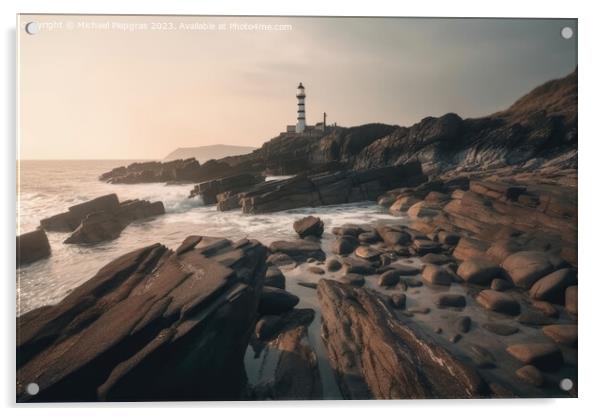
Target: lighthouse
[{"x": 300, "y": 128}]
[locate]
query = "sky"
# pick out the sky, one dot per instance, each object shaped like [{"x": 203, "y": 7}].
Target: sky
[{"x": 138, "y": 87}]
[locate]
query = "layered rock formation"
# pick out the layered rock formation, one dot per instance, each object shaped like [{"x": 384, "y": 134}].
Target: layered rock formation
[
  {"x": 225, "y": 187},
  {"x": 154, "y": 324},
  {"x": 101, "y": 219},
  {"x": 376, "y": 355},
  {"x": 328, "y": 188}
]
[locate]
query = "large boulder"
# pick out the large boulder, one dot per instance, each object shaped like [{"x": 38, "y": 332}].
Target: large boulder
[
  {"x": 527, "y": 267},
  {"x": 551, "y": 288},
  {"x": 309, "y": 226},
  {"x": 70, "y": 220},
  {"x": 32, "y": 246},
  {"x": 185, "y": 317}
]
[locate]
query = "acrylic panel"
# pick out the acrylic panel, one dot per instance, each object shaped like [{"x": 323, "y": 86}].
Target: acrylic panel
[{"x": 276, "y": 208}]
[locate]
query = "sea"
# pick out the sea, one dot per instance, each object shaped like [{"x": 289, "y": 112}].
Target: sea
[{"x": 46, "y": 188}]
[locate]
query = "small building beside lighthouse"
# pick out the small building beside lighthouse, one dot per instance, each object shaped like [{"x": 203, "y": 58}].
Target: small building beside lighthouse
[{"x": 301, "y": 127}]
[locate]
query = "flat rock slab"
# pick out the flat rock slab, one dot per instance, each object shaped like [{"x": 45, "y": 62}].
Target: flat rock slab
[
  {"x": 378, "y": 355},
  {"x": 299, "y": 250}
]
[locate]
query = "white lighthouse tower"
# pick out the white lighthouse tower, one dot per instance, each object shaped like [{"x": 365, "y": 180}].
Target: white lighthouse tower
[{"x": 300, "y": 128}]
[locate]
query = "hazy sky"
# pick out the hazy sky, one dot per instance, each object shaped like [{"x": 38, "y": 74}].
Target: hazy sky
[{"x": 108, "y": 91}]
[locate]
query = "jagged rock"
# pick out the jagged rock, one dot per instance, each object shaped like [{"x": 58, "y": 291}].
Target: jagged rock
[
  {"x": 377, "y": 355},
  {"x": 299, "y": 250},
  {"x": 478, "y": 271},
  {"x": 552, "y": 287},
  {"x": 97, "y": 227},
  {"x": 570, "y": 296},
  {"x": 544, "y": 356},
  {"x": 437, "y": 275},
  {"x": 209, "y": 190},
  {"x": 527, "y": 267},
  {"x": 562, "y": 334},
  {"x": 32, "y": 246},
  {"x": 274, "y": 301},
  {"x": 333, "y": 265},
  {"x": 70, "y": 220},
  {"x": 152, "y": 311},
  {"x": 309, "y": 226},
  {"x": 500, "y": 329},
  {"x": 450, "y": 300},
  {"x": 498, "y": 302},
  {"x": 501, "y": 285},
  {"x": 530, "y": 374},
  {"x": 274, "y": 278}
]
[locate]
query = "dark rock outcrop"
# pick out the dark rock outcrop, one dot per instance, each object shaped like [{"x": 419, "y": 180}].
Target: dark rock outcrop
[
  {"x": 328, "y": 188},
  {"x": 153, "y": 324},
  {"x": 101, "y": 219},
  {"x": 384, "y": 356},
  {"x": 32, "y": 246},
  {"x": 209, "y": 191}
]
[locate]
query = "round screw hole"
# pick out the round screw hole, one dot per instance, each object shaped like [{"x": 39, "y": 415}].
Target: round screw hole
[
  {"x": 32, "y": 389},
  {"x": 32, "y": 28},
  {"x": 566, "y": 32},
  {"x": 566, "y": 384}
]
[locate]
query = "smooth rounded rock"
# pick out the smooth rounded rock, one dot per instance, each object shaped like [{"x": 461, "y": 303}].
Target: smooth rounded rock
[
  {"x": 478, "y": 271},
  {"x": 500, "y": 329},
  {"x": 526, "y": 267},
  {"x": 463, "y": 324},
  {"x": 498, "y": 302},
  {"x": 333, "y": 265},
  {"x": 274, "y": 278},
  {"x": 437, "y": 275},
  {"x": 389, "y": 278},
  {"x": 274, "y": 301},
  {"x": 451, "y": 300},
  {"x": 367, "y": 253},
  {"x": 551, "y": 288}
]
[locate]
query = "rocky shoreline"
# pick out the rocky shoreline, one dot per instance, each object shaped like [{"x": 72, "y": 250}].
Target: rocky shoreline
[{"x": 468, "y": 290}]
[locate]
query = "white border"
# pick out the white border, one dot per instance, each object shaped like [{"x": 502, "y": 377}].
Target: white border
[{"x": 590, "y": 111}]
